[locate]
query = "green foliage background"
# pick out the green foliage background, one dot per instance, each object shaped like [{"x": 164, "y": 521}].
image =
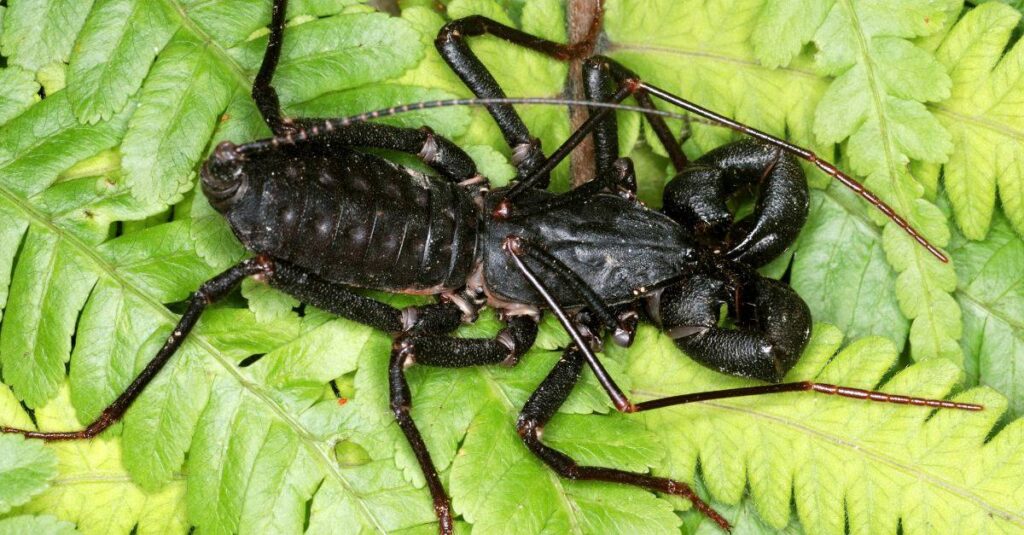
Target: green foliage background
[{"x": 102, "y": 233}]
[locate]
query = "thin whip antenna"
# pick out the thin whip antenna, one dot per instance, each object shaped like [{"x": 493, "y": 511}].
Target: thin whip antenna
[
  {"x": 805, "y": 154},
  {"x": 324, "y": 126}
]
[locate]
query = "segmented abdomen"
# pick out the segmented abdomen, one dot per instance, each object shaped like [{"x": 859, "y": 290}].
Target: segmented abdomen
[{"x": 360, "y": 220}]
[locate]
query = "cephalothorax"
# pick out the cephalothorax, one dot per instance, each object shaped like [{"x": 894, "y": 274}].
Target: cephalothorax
[{"x": 323, "y": 217}]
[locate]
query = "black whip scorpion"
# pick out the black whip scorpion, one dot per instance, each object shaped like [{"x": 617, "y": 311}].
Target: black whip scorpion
[{"x": 323, "y": 218}]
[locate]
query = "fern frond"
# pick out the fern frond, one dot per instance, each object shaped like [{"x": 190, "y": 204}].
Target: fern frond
[
  {"x": 241, "y": 432},
  {"x": 985, "y": 116},
  {"x": 20, "y": 90},
  {"x": 38, "y": 33},
  {"x": 875, "y": 466},
  {"x": 991, "y": 293},
  {"x": 26, "y": 467},
  {"x": 876, "y": 101},
  {"x": 15, "y": 525},
  {"x": 94, "y": 491}
]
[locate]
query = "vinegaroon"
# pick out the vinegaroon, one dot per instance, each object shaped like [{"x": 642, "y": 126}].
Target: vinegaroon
[{"x": 323, "y": 218}]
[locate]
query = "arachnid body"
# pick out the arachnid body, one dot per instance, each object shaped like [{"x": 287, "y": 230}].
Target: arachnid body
[{"x": 323, "y": 217}]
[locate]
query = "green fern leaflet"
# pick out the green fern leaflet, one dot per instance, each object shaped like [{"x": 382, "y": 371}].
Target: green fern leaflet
[{"x": 103, "y": 236}]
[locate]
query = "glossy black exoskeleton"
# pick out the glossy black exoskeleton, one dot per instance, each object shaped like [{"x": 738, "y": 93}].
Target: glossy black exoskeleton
[{"x": 324, "y": 218}]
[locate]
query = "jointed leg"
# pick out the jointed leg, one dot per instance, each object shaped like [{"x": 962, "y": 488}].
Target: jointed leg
[
  {"x": 800, "y": 152},
  {"x": 643, "y": 91},
  {"x": 543, "y": 404},
  {"x": 557, "y": 386},
  {"x": 452, "y": 45},
  {"x": 606, "y": 81},
  {"x": 341, "y": 300},
  {"x": 600, "y": 76},
  {"x": 622, "y": 180},
  {"x": 447, "y": 352},
  {"x": 436, "y": 151},
  {"x": 583, "y": 340},
  {"x": 603, "y": 70},
  {"x": 262, "y": 92},
  {"x": 598, "y": 87},
  {"x": 210, "y": 292},
  {"x": 596, "y": 123},
  {"x": 517, "y": 247},
  {"x": 330, "y": 296}
]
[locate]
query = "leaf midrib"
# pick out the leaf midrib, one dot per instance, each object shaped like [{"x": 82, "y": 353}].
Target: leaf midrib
[
  {"x": 222, "y": 57},
  {"x": 321, "y": 454},
  {"x": 254, "y": 389},
  {"x": 556, "y": 481},
  {"x": 94, "y": 477},
  {"x": 324, "y": 457},
  {"x": 867, "y": 452},
  {"x": 961, "y": 286},
  {"x": 980, "y": 120},
  {"x": 217, "y": 51},
  {"x": 900, "y": 194}
]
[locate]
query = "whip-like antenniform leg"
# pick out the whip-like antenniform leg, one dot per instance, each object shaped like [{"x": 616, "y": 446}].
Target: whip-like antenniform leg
[{"x": 451, "y": 42}]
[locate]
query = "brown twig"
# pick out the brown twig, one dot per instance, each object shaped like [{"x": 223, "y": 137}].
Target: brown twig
[{"x": 584, "y": 24}]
